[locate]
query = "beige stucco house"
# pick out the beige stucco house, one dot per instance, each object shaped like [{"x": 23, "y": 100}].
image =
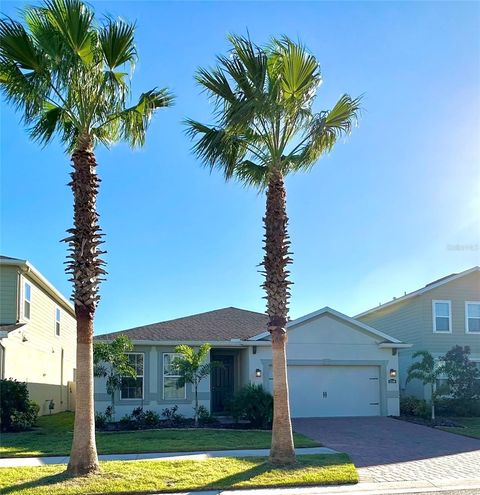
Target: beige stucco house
[
  {"x": 37, "y": 335},
  {"x": 337, "y": 366},
  {"x": 435, "y": 318}
]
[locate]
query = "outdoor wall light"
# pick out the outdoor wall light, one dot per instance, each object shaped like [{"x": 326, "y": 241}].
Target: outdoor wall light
[
  {"x": 258, "y": 373},
  {"x": 393, "y": 373}
]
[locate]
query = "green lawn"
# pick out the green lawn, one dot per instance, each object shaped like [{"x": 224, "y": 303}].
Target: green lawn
[
  {"x": 471, "y": 427},
  {"x": 54, "y": 437},
  {"x": 170, "y": 476}
]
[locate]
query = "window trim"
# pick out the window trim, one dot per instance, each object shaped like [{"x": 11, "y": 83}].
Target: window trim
[
  {"x": 434, "y": 316},
  {"x": 138, "y": 376},
  {"x": 24, "y": 299},
  {"x": 466, "y": 317},
  {"x": 59, "y": 321},
  {"x": 171, "y": 376}
]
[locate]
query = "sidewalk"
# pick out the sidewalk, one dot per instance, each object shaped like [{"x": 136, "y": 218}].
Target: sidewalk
[{"x": 156, "y": 456}]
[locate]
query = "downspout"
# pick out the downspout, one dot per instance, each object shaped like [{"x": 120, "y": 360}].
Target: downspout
[{"x": 2, "y": 361}]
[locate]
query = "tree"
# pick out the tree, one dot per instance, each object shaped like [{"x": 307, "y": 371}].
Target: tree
[
  {"x": 462, "y": 374},
  {"x": 265, "y": 128},
  {"x": 192, "y": 368},
  {"x": 427, "y": 371},
  {"x": 69, "y": 78},
  {"x": 110, "y": 361}
]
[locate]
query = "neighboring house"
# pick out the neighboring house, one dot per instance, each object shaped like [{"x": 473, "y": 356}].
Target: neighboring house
[
  {"x": 437, "y": 317},
  {"x": 337, "y": 366},
  {"x": 37, "y": 335}
]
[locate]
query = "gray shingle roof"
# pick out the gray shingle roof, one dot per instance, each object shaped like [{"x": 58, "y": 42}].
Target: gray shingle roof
[{"x": 221, "y": 324}]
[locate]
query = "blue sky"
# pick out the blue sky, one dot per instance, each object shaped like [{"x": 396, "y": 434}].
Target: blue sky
[{"x": 395, "y": 206}]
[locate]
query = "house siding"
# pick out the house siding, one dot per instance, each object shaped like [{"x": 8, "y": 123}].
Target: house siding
[
  {"x": 8, "y": 295},
  {"x": 411, "y": 321},
  {"x": 36, "y": 355}
]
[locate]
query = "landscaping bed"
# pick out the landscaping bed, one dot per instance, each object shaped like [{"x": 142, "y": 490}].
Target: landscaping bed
[
  {"x": 53, "y": 436},
  {"x": 139, "y": 477},
  {"x": 437, "y": 422}
]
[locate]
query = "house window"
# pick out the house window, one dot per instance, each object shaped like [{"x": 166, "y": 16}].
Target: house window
[
  {"x": 170, "y": 378},
  {"x": 57, "y": 322},
  {"x": 472, "y": 317},
  {"x": 27, "y": 299},
  {"x": 442, "y": 316},
  {"x": 132, "y": 388}
]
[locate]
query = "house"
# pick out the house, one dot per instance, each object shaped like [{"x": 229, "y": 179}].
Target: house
[
  {"x": 435, "y": 318},
  {"x": 37, "y": 335},
  {"x": 337, "y": 366}
]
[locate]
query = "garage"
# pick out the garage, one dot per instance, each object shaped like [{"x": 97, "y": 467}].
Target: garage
[
  {"x": 337, "y": 367},
  {"x": 328, "y": 391}
]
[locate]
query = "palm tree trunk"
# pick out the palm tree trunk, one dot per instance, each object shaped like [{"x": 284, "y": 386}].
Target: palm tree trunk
[
  {"x": 85, "y": 266},
  {"x": 276, "y": 286}
]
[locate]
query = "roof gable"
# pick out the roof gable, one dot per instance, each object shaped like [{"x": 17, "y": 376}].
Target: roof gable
[{"x": 379, "y": 336}]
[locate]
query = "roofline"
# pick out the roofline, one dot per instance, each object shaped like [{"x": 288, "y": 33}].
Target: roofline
[
  {"x": 337, "y": 314},
  {"x": 213, "y": 343},
  {"x": 418, "y": 292},
  {"x": 28, "y": 268}
]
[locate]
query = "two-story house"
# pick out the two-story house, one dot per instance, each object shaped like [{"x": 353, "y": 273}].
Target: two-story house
[
  {"x": 437, "y": 317},
  {"x": 37, "y": 335}
]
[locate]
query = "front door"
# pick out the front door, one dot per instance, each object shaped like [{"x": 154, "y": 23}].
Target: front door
[{"x": 222, "y": 382}]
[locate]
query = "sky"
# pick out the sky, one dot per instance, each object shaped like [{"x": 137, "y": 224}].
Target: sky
[{"x": 395, "y": 205}]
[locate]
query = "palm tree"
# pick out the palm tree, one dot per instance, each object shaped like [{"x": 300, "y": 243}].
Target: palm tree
[
  {"x": 264, "y": 129},
  {"x": 193, "y": 368},
  {"x": 427, "y": 371},
  {"x": 69, "y": 78}
]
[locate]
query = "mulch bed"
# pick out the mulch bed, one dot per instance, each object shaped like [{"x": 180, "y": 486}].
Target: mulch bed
[{"x": 443, "y": 422}]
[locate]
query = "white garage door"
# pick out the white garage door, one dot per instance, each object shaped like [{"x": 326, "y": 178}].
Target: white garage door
[{"x": 326, "y": 391}]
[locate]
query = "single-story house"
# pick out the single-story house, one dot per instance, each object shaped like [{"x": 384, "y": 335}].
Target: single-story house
[{"x": 337, "y": 366}]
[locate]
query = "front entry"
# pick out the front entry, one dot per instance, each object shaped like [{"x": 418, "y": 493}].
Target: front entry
[{"x": 222, "y": 382}]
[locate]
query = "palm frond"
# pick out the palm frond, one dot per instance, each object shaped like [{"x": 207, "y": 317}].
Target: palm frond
[
  {"x": 73, "y": 19},
  {"x": 117, "y": 41}
]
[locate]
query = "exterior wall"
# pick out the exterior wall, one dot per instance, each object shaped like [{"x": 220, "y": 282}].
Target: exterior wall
[
  {"x": 8, "y": 294},
  {"x": 412, "y": 321},
  {"x": 36, "y": 355},
  {"x": 152, "y": 388},
  {"x": 325, "y": 341}
]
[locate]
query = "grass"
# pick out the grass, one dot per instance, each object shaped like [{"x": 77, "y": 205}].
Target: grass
[
  {"x": 54, "y": 437},
  {"x": 170, "y": 476},
  {"x": 471, "y": 427}
]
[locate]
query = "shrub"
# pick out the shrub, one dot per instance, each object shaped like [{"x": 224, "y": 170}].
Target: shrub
[
  {"x": 17, "y": 412},
  {"x": 463, "y": 377},
  {"x": 100, "y": 420},
  {"x": 411, "y": 406},
  {"x": 151, "y": 419},
  {"x": 254, "y": 404},
  {"x": 172, "y": 417},
  {"x": 204, "y": 416},
  {"x": 458, "y": 407}
]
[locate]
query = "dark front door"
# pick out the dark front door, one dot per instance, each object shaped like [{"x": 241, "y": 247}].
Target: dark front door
[{"x": 222, "y": 381}]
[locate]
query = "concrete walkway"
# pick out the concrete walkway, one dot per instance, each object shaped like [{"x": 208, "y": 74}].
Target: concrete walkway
[{"x": 157, "y": 456}]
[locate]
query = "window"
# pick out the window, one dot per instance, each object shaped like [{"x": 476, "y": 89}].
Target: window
[
  {"x": 472, "y": 317},
  {"x": 170, "y": 378},
  {"x": 27, "y": 299},
  {"x": 132, "y": 388},
  {"x": 57, "y": 322},
  {"x": 442, "y": 316}
]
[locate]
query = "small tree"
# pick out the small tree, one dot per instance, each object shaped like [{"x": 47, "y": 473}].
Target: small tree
[
  {"x": 111, "y": 362},
  {"x": 427, "y": 371},
  {"x": 462, "y": 374},
  {"x": 193, "y": 368}
]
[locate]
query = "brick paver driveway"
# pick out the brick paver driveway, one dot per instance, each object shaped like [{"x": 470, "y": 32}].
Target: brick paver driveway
[{"x": 386, "y": 449}]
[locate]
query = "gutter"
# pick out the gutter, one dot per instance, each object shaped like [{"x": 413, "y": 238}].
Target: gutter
[{"x": 213, "y": 343}]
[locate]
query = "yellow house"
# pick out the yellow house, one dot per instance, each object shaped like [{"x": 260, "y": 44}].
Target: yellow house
[{"x": 37, "y": 336}]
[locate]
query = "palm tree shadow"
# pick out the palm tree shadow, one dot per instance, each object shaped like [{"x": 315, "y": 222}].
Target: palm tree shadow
[
  {"x": 228, "y": 482},
  {"x": 45, "y": 481}
]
